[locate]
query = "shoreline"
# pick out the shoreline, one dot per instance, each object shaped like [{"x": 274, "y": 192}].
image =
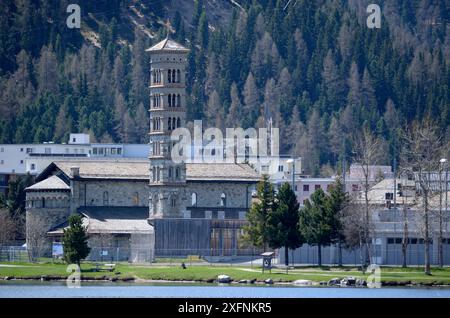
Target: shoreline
[{"x": 106, "y": 279}]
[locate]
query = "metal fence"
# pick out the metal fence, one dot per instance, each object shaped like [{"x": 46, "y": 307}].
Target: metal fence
[{"x": 13, "y": 254}]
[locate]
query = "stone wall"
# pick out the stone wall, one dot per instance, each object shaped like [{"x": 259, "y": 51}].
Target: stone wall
[
  {"x": 238, "y": 195},
  {"x": 110, "y": 193},
  {"x": 45, "y": 210}
]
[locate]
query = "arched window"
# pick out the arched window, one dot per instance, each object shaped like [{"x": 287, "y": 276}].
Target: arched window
[
  {"x": 178, "y": 100},
  {"x": 154, "y": 174},
  {"x": 178, "y": 122},
  {"x": 177, "y": 173},
  {"x": 174, "y": 122},
  {"x": 157, "y": 174},
  {"x": 155, "y": 203},
  {"x": 173, "y": 201},
  {"x": 178, "y": 76},
  {"x": 173, "y": 100},
  {"x": 154, "y": 76},
  {"x": 105, "y": 198},
  {"x": 169, "y": 100},
  {"x": 223, "y": 199},
  {"x": 194, "y": 199},
  {"x": 169, "y": 124},
  {"x": 173, "y": 76},
  {"x": 170, "y": 173},
  {"x": 169, "y": 76}
]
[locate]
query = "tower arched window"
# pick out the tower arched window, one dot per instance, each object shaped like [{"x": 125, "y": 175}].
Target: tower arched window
[
  {"x": 169, "y": 76},
  {"x": 170, "y": 173},
  {"x": 154, "y": 76},
  {"x": 194, "y": 199},
  {"x": 178, "y": 122},
  {"x": 154, "y": 174},
  {"x": 223, "y": 199},
  {"x": 177, "y": 173},
  {"x": 173, "y": 201},
  {"x": 173, "y": 100},
  {"x": 178, "y": 76},
  {"x": 158, "y": 174},
  {"x": 174, "y": 122},
  {"x": 105, "y": 198},
  {"x": 173, "y": 76},
  {"x": 169, "y": 100},
  {"x": 169, "y": 124},
  {"x": 178, "y": 100}
]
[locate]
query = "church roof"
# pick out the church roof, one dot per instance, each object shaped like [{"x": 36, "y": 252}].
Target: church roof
[
  {"x": 168, "y": 45},
  {"x": 112, "y": 220},
  {"x": 140, "y": 170},
  {"x": 52, "y": 183}
]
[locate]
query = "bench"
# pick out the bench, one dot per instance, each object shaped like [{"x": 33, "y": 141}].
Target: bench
[{"x": 104, "y": 267}]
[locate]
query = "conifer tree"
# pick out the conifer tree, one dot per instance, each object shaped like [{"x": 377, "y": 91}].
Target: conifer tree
[{"x": 75, "y": 245}]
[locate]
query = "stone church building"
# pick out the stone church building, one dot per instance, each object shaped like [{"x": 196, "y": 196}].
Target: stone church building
[{"x": 135, "y": 209}]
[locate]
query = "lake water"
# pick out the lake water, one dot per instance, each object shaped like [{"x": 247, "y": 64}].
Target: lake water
[{"x": 11, "y": 289}]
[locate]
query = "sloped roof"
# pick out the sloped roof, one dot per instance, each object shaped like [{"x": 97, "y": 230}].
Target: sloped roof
[
  {"x": 168, "y": 45},
  {"x": 109, "y": 220},
  {"x": 52, "y": 183},
  {"x": 221, "y": 171},
  {"x": 140, "y": 170}
]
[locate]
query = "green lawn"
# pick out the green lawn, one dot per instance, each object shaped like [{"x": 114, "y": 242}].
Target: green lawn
[{"x": 205, "y": 272}]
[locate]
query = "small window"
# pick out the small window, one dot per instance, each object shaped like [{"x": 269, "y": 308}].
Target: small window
[
  {"x": 33, "y": 166},
  {"x": 194, "y": 199},
  {"x": 105, "y": 198},
  {"x": 2, "y": 161},
  {"x": 223, "y": 199},
  {"x": 355, "y": 187},
  {"x": 389, "y": 196},
  {"x": 21, "y": 149},
  {"x": 317, "y": 187},
  {"x": 280, "y": 168},
  {"x": 2, "y": 149},
  {"x": 21, "y": 162},
  {"x": 306, "y": 187},
  {"x": 390, "y": 241},
  {"x": 398, "y": 240}
]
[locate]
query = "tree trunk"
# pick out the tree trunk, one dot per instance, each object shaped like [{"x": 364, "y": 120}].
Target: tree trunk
[
  {"x": 427, "y": 237},
  {"x": 319, "y": 254},
  {"x": 340, "y": 254},
  {"x": 405, "y": 237},
  {"x": 286, "y": 256}
]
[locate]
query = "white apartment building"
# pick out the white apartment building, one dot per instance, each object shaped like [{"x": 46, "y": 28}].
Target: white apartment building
[{"x": 19, "y": 159}]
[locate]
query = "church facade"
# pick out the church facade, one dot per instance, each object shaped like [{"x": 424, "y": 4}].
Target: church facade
[{"x": 142, "y": 208}]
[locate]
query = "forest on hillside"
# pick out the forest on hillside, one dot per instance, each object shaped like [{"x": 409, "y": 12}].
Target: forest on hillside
[{"x": 314, "y": 67}]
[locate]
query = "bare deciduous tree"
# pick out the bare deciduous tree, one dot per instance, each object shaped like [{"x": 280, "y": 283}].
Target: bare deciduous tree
[
  {"x": 366, "y": 152},
  {"x": 36, "y": 237},
  {"x": 7, "y": 228},
  {"x": 422, "y": 149}
]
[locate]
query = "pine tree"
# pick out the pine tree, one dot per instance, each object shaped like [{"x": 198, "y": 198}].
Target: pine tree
[
  {"x": 74, "y": 241},
  {"x": 233, "y": 117},
  {"x": 256, "y": 231},
  {"x": 283, "y": 222},
  {"x": 316, "y": 224}
]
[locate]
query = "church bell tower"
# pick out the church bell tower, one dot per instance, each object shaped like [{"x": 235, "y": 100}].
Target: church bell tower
[{"x": 167, "y": 197}]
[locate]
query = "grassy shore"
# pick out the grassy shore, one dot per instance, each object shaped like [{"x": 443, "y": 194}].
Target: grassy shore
[{"x": 209, "y": 273}]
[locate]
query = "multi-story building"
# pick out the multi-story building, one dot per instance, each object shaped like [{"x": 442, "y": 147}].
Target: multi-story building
[{"x": 20, "y": 159}]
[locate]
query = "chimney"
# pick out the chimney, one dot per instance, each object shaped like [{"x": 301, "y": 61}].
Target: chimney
[{"x": 75, "y": 172}]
